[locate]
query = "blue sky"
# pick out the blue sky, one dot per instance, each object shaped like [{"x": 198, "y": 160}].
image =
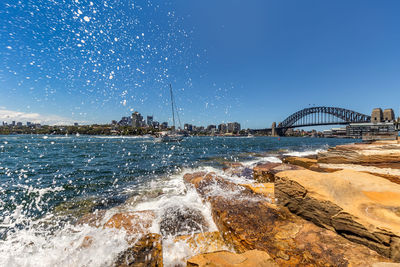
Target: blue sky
[{"x": 254, "y": 62}]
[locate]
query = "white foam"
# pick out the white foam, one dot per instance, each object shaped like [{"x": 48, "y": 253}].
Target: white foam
[
  {"x": 304, "y": 153},
  {"x": 30, "y": 247}
]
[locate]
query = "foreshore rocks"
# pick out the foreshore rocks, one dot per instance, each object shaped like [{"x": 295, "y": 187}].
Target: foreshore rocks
[
  {"x": 248, "y": 221},
  {"x": 379, "y": 154},
  {"x": 182, "y": 221},
  {"x": 147, "y": 251},
  {"x": 265, "y": 173},
  {"x": 339, "y": 208},
  {"x": 249, "y": 258},
  {"x": 362, "y": 207}
]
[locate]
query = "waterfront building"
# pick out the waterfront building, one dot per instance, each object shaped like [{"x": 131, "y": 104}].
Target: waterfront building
[
  {"x": 222, "y": 128},
  {"x": 114, "y": 122},
  {"x": 188, "y": 127},
  {"x": 149, "y": 121},
  {"x": 382, "y": 126},
  {"x": 211, "y": 128},
  {"x": 13, "y": 123},
  {"x": 137, "y": 119},
  {"x": 156, "y": 124},
  {"x": 233, "y": 127},
  {"x": 19, "y": 124},
  {"x": 164, "y": 125},
  {"x": 76, "y": 124},
  {"x": 125, "y": 121}
]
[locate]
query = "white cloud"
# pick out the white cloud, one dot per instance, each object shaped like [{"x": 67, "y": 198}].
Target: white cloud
[{"x": 18, "y": 116}]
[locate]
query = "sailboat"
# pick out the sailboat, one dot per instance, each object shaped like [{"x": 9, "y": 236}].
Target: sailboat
[{"x": 172, "y": 136}]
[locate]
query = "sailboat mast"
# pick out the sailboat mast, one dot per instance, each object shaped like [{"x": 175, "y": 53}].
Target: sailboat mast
[{"x": 172, "y": 106}]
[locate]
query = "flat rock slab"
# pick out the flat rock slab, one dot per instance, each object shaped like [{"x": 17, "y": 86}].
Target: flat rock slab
[
  {"x": 250, "y": 258},
  {"x": 390, "y": 174},
  {"x": 147, "y": 251},
  {"x": 379, "y": 154},
  {"x": 299, "y": 161},
  {"x": 265, "y": 189},
  {"x": 134, "y": 223},
  {"x": 265, "y": 173},
  {"x": 247, "y": 221},
  {"x": 206, "y": 242},
  {"x": 362, "y": 207}
]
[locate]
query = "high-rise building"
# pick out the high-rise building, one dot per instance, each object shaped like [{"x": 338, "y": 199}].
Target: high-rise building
[
  {"x": 222, "y": 128},
  {"x": 233, "y": 127},
  {"x": 137, "y": 119},
  {"x": 164, "y": 125},
  {"x": 188, "y": 127},
  {"x": 150, "y": 121},
  {"x": 156, "y": 124},
  {"x": 211, "y": 127},
  {"x": 125, "y": 121}
]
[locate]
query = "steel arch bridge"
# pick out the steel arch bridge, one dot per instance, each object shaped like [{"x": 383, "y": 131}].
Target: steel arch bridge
[{"x": 316, "y": 116}]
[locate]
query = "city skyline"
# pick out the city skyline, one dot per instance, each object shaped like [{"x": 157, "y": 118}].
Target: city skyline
[{"x": 255, "y": 63}]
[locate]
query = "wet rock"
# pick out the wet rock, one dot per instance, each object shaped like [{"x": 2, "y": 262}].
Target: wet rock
[
  {"x": 76, "y": 208},
  {"x": 137, "y": 222},
  {"x": 181, "y": 221},
  {"x": 234, "y": 165},
  {"x": 203, "y": 242},
  {"x": 147, "y": 251},
  {"x": 298, "y": 161},
  {"x": 359, "y": 206},
  {"x": 229, "y": 259},
  {"x": 265, "y": 173},
  {"x": 264, "y": 189},
  {"x": 248, "y": 222},
  {"x": 93, "y": 219},
  {"x": 237, "y": 169}
]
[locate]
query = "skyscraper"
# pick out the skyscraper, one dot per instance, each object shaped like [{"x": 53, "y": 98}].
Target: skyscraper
[
  {"x": 150, "y": 121},
  {"x": 137, "y": 119}
]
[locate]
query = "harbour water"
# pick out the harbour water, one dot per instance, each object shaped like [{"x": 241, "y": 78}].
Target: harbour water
[{"x": 47, "y": 183}]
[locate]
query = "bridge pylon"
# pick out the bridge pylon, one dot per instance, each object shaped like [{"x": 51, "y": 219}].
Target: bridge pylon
[{"x": 273, "y": 129}]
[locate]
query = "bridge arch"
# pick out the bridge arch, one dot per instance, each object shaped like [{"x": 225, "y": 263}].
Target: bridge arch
[{"x": 315, "y": 116}]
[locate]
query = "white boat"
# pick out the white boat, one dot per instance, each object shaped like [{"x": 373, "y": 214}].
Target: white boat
[{"x": 172, "y": 136}]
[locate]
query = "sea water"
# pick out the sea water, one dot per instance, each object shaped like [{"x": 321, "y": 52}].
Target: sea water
[{"x": 48, "y": 182}]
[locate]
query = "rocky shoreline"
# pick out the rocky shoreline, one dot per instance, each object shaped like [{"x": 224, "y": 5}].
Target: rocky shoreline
[{"x": 338, "y": 208}]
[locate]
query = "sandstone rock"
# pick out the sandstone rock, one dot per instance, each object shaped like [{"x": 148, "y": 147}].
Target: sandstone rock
[
  {"x": 265, "y": 189},
  {"x": 249, "y": 222},
  {"x": 137, "y": 222},
  {"x": 86, "y": 242},
  {"x": 93, "y": 219},
  {"x": 181, "y": 221},
  {"x": 379, "y": 154},
  {"x": 229, "y": 164},
  {"x": 265, "y": 173},
  {"x": 229, "y": 259},
  {"x": 147, "y": 251},
  {"x": 298, "y": 161},
  {"x": 363, "y": 208},
  {"x": 390, "y": 174},
  {"x": 204, "y": 242},
  {"x": 238, "y": 169},
  {"x": 262, "y": 172}
]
